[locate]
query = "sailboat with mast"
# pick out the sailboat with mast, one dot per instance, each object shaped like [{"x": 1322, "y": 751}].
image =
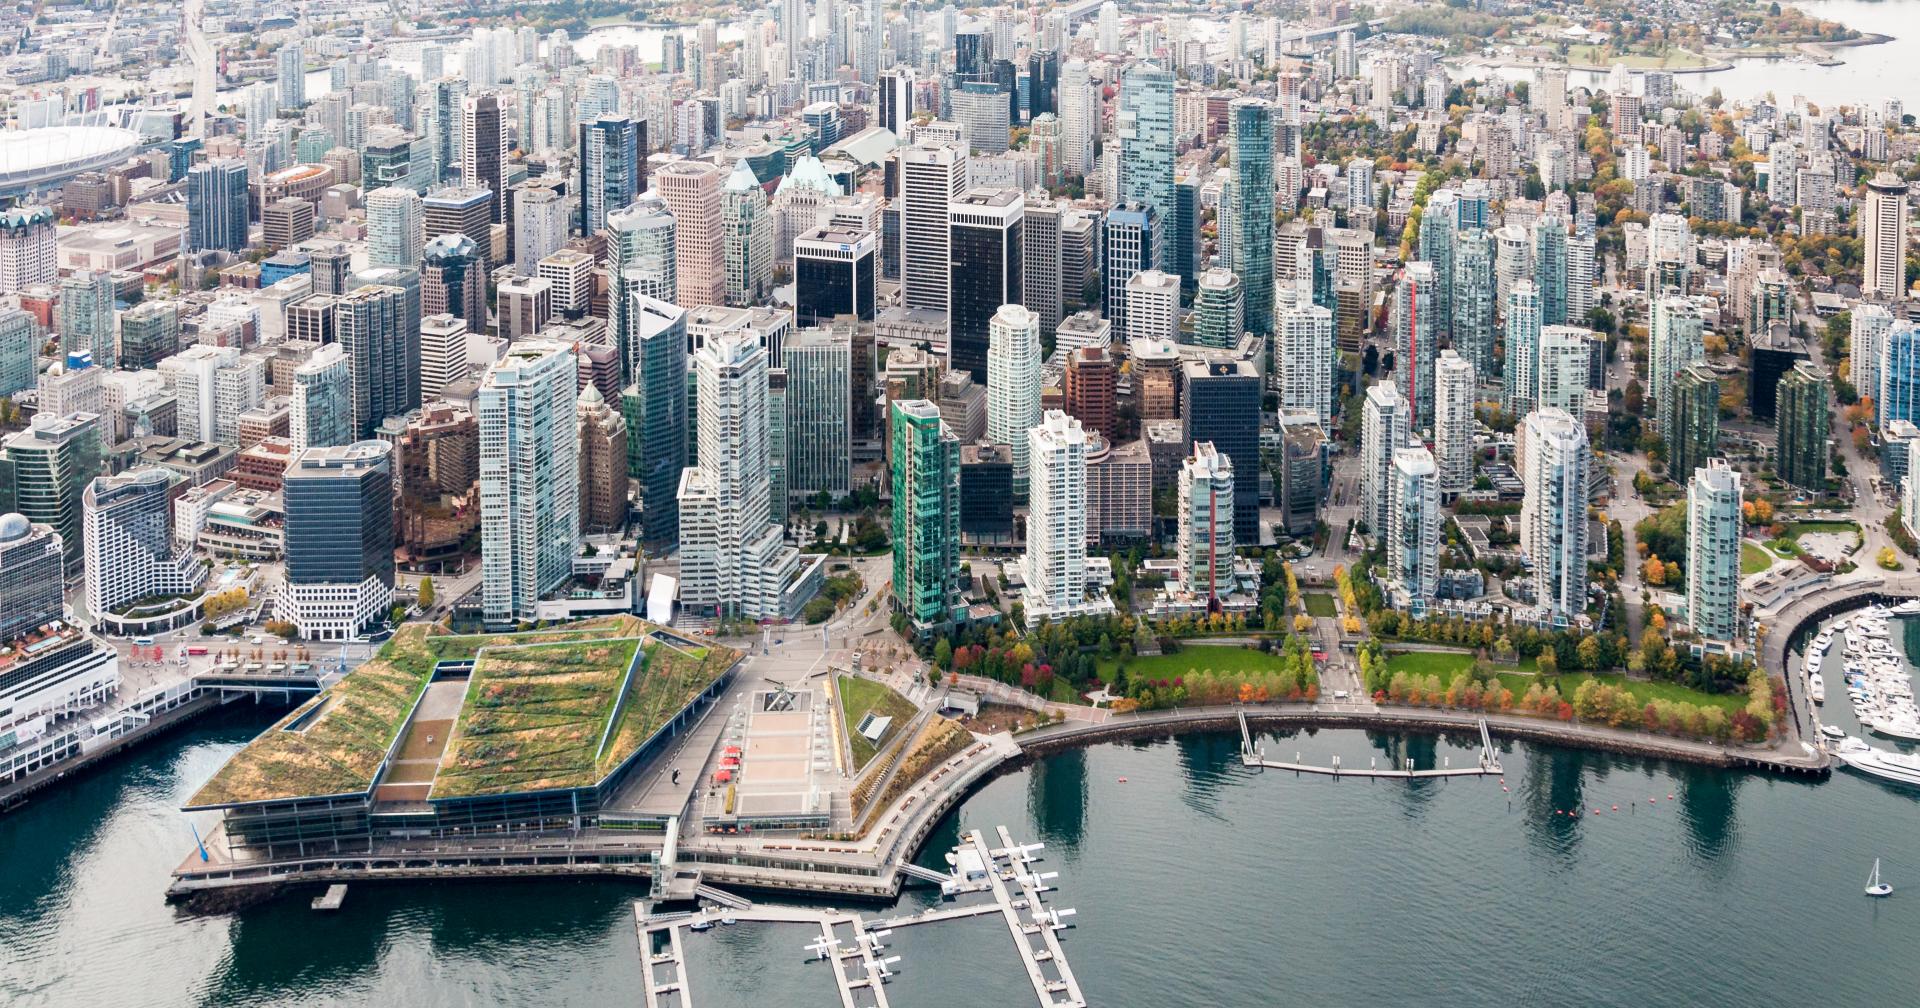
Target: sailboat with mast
[{"x": 1875, "y": 887}]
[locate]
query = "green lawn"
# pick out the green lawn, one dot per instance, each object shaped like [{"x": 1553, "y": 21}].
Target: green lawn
[
  {"x": 1447, "y": 664},
  {"x": 1753, "y": 559},
  {"x": 857, "y": 697},
  {"x": 1798, "y": 529},
  {"x": 1220, "y": 658},
  {"x": 1607, "y": 56},
  {"x": 1319, "y": 604}
]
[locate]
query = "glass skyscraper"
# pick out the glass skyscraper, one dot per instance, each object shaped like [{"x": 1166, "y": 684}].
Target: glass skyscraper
[
  {"x": 1251, "y": 123},
  {"x": 1146, "y": 143}
]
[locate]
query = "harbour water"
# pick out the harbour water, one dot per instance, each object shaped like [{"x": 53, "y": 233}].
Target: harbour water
[{"x": 1197, "y": 882}]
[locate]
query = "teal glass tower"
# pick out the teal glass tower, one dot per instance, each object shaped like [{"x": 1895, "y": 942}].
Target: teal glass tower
[
  {"x": 1146, "y": 143},
  {"x": 1251, "y": 123}
]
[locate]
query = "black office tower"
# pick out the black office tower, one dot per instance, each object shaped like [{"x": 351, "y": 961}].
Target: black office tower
[
  {"x": 1221, "y": 403},
  {"x": 984, "y": 236}
]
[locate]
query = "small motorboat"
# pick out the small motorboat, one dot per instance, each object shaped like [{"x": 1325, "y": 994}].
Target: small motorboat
[
  {"x": 729, "y": 921},
  {"x": 1833, "y": 732},
  {"x": 701, "y": 925},
  {"x": 1875, "y": 887},
  {"x": 1816, "y": 687}
]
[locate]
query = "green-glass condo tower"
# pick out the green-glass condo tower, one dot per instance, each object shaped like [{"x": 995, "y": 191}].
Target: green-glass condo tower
[
  {"x": 926, "y": 514},
  {"x": 1801, "y": 423}
]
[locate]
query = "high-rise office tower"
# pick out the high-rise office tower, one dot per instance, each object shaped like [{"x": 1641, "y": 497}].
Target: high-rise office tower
[
  {"x": 1414, "y": 518},
  {"x": 1695, "y": 435},
  {"x": 539, "y": 224},
  {"x": 1153, "y": 307},
  {"x": 1012, "y": 377},
  {"x": 926, "y": 514},
  {"x": 642, "y": 263},
  {"x": 86, "y": 315},
  {"x": 1522, "y": 349},
  {"x": 692, "y": 192},
  {"x": 383, "y": 354},
  {"x": 1583, "y": 272},
  {"x": 613, "y": 168},
  {"x": 1674, "y": 340},
  {"x": 529, "y": 477},
  {"x": 981, "y": 110},
  {"x": 1091, "y": 379},
  {"x": 1415, "y": 337},
  {"x": 1553, "y": 452},
  {"x": 732, "y": 557},
  {"x": 603, "y": 464},
  {"x": 339, "y": 540},
  {"x": 1713, "y": 550},
  {"x": 1145, "y": 126},
  {"x": 149, "y": 333},
  {"x": 1221, "y": 404},
  {"x": 461, "y": 210},
  {"x": 1079, "y": 119},
  {"x": 19, "y": 346},
  {"x": 322, "y": 401},
  {"x": 217, "y": 201},
  {"x": 1219, "y": 309},
  {"x": 443, "y": 354},
  {"x": 50, "y": 463},
  {"x": 1473, "y": 300},
  {"x": 453, "y": 280},
  {"x": 1883, "y": 236},
  {"x": 1043, "y": 82},
  {"x": 819, "y": 455},
  {"x": 896, "y": 101},
  {"x": 835, "y": 272},
  {"x": 1128, "y": 244},
  {"x": 1383, "y": 431},
  {"x": 32, "y": 576},
  {"x": 130, "y": 551},
  {"x": 1251, "y": 241},
  {"x": 747, "y": 224},
  {"x": 1043, "y": 284},
  {"x": 1453, "y": 422},
  {"x": 932, "y": 177},
  {"x": 1205, "y": 511},
  {"x": 483, "y": 150},
  {"x": 28, "y": 248},
  {"x": 984, "y": 238},
  {"x": 1801, "y": 423},
  {"x": 1304, "y": 356},
  {"x": 660, "y": 439}
]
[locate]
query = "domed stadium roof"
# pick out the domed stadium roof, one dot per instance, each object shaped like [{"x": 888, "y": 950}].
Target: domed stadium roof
[{"x": 36, "y": 157}]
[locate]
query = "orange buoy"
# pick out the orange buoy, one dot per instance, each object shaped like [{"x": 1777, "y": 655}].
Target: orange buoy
[
  {"x": 1123, "y": 780},
  {"x": 1652, "y": 801},
  {"x": 1616, "y": 808},
  {"x": 1669, "y": 797}
]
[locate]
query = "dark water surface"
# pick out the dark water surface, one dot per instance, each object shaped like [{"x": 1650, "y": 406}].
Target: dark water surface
[{"x": 1197, "y": 882}]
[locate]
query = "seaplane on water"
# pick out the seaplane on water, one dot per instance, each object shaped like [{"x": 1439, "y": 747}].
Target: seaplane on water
[
  {"x": 826, "y": 946},
  {"x": 1052, "y": 918},
  {"x": 1037, "y": 881},
  {"x": 877, "y": 968},
  {"x": 872, "y": 939},
  {"x": 1022, "y": 853}
]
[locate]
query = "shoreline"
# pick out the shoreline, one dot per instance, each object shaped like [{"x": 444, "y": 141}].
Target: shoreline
[{"x": 870, "y": 871}]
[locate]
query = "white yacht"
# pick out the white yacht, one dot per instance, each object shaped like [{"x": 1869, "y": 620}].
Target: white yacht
[
  {"x": 1896, "y": 767},
  {"x": 1911, "y": 607},
  {"x": 1816, "y": 687},
  {"x": 1898, "y": 727}
]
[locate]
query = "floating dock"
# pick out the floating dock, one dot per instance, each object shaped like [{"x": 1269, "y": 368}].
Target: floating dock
[
  {"x": 851, "y": 944},
  {"x": 335, "y": 895},
  {"x": 1253, "y": 756}
]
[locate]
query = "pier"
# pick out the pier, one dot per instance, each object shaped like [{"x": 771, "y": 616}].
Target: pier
[
  {"x": 332, "y": 899},
  {"x": 851, "y": 945},
  {"x": 1254, "y": 756}
]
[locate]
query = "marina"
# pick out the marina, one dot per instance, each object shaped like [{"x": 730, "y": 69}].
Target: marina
[
  {"x": 852, "y": 946},
  {"x": 1878, "y": 679}
]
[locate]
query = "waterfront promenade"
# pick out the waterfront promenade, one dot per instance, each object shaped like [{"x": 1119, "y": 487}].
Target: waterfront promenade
[{"x": 869, "y": 867}]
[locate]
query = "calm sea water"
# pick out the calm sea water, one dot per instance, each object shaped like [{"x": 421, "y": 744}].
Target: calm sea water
[{"x": 1197, "y": 882}]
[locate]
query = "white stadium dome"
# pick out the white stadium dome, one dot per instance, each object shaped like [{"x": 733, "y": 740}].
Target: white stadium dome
[{"x": 33, "y": 158}]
